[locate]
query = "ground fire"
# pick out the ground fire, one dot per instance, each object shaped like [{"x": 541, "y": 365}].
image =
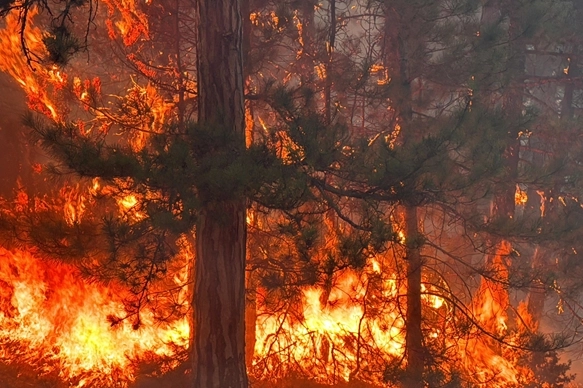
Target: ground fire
[{"x": 58, "y": 323}]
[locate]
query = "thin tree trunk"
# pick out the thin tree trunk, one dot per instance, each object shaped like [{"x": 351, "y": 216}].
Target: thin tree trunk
[
  {"x": 397, "y": 41},
  {"x": 306, "y": 61},
  {"x": 535, "y": 305},
  {"x": 415, "y": 352},
  {"x": 250, "y": 318},
  {"x": 329, "y": 52},
  {"x": 571, "y": 72},
  {"x": 513, "y": 106},
  {"x": 536, "y": 292},
  {"x": 503, "y": 202},
  {"x": 219, "y": 298}
]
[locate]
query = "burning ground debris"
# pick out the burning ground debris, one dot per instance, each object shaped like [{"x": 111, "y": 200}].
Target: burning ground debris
[
  {"x": 55, "y": 330},
  {"x": 55, "y": 322}
]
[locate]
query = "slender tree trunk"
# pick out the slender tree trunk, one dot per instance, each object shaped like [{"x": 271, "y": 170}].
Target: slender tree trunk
[
  {"x": 250, "y": 318},
  {"x": 567, "y": 103},
  {"x": 503, "y": 201},
  {"x": 306, "y": 61},
  {"x": 571, "y": 72},
  {"x": 415, "y": 352},
  {"x": 329, "y": 52},
  {"x": 181, "y": 82},
  {"x": 513, "y": 106},
  {"x": 536, "y": 292},
  {"x": 308, "y": 30},
  {"x": 536, "y": 303},
  {"x": 219, "y": 299},
  {"x": 398, "y": 39}
]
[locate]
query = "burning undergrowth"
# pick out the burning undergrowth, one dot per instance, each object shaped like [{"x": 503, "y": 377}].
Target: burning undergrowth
[
  {"x": 54, "y": 320},
  {"x": 56, "y": 328},
  {"x": 62, "y": 326}
]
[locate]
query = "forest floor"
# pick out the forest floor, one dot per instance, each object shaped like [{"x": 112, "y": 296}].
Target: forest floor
[{"x": 21, "y": 375}]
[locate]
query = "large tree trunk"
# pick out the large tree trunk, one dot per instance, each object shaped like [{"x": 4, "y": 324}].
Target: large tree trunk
[
  {"x": 219, "y": 299},
  {"x": 219, "y": 344}
]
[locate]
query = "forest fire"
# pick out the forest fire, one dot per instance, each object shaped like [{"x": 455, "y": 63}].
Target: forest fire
[{"x": 314, "y": 178}]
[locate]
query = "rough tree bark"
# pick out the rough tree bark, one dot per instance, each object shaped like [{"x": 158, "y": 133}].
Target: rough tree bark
[{"x": 219, "y": 299}]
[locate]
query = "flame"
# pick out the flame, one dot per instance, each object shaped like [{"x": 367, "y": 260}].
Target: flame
[
  {"x": 132, "y": 23},
  {"x": 326, "y": 338},
  {"x": 382, "y": 72},
  {"x": 57, "y": 316},
  {"x": 75, "y": 204},
  {"x": 40, "y": 83},
  {"x": 149, "y": 113},
  {"x": 435, "y": 301},
  {"x": 300, "y": 28},
  {"x": 331, "y": 338},
  {"x": 483, "y": 361},
  {"x": 50, "y": 313},
  {"x": 492, "y": 302},
  {"x": 320, "y": 70},
  {"x": 520, "y": 196},
  {"x": 50, "y": 317}
]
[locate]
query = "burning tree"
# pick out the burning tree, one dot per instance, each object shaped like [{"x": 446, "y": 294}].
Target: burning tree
[
  {"x": 449, "y": 105},
  {"x": 140, "y": 241},
  {"x": 364, "y": 162}
]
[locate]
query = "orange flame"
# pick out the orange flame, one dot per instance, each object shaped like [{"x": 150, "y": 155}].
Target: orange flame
[
  {"x": 326, "y": 339},
  {"x": 39, "y": 83},
  {"x": 483, "y": 361},
  {"x": 57, "y": 316}
]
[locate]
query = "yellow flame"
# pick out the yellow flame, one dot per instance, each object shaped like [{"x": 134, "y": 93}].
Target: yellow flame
[
  {"x": 41, "y": 84},
  {"x": 58, "y": 316},
  {"x": 322, "y": 331},
  {"x": 520, "y": 196}
]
